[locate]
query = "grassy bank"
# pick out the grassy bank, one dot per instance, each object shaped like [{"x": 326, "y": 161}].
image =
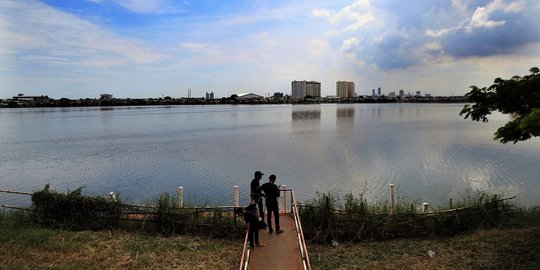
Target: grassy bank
[
  {"x": 72, "y": 231},
  {"x": 517, "y": 248},
  {"x": 24, "y": 246}
]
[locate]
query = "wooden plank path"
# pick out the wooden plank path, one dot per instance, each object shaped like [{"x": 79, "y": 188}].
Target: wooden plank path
[{"x": 282, "y": 250}]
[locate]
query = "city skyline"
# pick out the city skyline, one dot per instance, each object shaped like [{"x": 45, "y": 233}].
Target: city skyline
[{"x": 78, "y": 49}]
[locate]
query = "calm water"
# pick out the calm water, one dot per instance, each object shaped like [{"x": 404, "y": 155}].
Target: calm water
[{"x": 426, "y": 150}]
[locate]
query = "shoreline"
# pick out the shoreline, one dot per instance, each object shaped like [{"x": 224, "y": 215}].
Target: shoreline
[{"x": 45, "y": 101}]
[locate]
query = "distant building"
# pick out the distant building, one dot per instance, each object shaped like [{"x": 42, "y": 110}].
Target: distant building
[
  {"x": 392, "y": 94},
  {"x": 22, "y": 97},
  {"x": 210, "y": 95},
  {"x": 418, "y": 94},
  {"x": 401, "y": 92},
  {"x": 249, "y": 96},
  {"x": 301, "y": 89},
  {"x": 106, "y": 97},
  {"x": 373, "y": 92},
  {"x": 345, "y": 89},
  {"x": 278, "y": 95},
  {"x": 379, "y": 91}
]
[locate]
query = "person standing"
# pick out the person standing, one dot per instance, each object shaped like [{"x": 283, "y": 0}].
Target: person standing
[
  {"x": 271, "y": 193},
  {"x": 256, "y": 193}
]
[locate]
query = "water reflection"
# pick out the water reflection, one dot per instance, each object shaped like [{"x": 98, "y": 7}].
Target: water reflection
[
  {"x": 305, "y": 124},
  {"x": 345, "y": 121},
  {"x": 301, "y": 115}
]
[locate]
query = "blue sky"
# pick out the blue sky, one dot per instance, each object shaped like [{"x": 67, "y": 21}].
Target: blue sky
[{"x": 80, "y": 49}]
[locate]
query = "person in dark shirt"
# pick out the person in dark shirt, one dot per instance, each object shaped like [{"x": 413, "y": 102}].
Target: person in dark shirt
[
  {"x": 271, "y": 193},
  {"x": 256, "y": 193},
  {"x": 251, "y": 218}
]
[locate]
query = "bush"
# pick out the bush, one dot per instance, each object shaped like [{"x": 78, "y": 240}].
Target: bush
[
  {"x": 325, "y": 218},
  {"x": 74, "y": 211}
]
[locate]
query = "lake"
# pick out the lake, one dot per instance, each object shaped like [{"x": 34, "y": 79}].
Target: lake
[{"x": 425, "y": 150}]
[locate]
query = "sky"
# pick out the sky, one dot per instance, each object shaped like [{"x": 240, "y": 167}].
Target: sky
[{"x": 153, "y": 48}]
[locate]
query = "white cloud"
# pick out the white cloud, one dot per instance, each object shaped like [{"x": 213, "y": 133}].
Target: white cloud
[
  {"x": 355, "y": 16},
  {"x": 515, "y": 7},
  {"x": 480, "y": 19},
  {"x": 192, "y": 46},
  {"x": 147, "y": 6},
  {"x": 322, "y": 12},
  {"x": 350, "y": 44},
  {"x": 50, "y": 36}
]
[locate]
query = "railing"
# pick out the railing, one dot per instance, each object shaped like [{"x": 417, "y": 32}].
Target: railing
[
  {"x": 244, "y": 262},
  {"x": 299, "y": 232},
  {"x": 246, "y": 252}
]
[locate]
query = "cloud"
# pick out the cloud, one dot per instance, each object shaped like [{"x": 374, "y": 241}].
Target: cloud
[
  {"x": 350, "y": 44},
  {"x": 147, "y": 6},
  {"x": 401, "y": 35},
  {"x": 496, "y": 28},
  {"x": 355, "y": 16},
  {"x": 322, "y": 12},
  {"x": 36, "y": 33}
]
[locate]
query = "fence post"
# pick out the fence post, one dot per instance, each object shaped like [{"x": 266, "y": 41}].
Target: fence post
[
  {"x": 236, "y": 197},
  {"x": 180, "y": 197},
  {"x": 112, "y": 196},
  {"x": 425, "y": 207},
  {"x": 392, "y": 210},
  {"x": 283, "y": 199}
]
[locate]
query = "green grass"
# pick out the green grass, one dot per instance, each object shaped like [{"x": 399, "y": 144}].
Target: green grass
[
  {"x": 30, "y": 247},
  {"x": 517, "y": 248}
]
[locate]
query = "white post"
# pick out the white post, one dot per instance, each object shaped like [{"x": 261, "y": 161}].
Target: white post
[
  {"x": 236, "y": 197},
  {"x": 283, "y": 199},
  {"x": 425, "y": 207},
  {"x": 112, "y": 196},
  {"x": 180, "y": 197},
  {"x": 392, "y": 199}
]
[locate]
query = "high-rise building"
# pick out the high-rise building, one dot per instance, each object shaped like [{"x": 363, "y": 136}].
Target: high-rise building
[
  {"x": 301, "y": 89},
  {"x": 401, "y": 92},
  {"x": 345, "y": 89},
  {"x": 379, "y": 91}
]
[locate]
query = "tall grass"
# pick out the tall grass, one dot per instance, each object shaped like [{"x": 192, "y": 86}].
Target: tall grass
[
  {"x": 74, "y": 210},
  {"x": 329, "y": 217}
]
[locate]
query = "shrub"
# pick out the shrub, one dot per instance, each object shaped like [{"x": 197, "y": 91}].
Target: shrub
[{"x": 74, "y": 211}]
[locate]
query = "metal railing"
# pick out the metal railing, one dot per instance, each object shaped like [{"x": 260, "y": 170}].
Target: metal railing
[
  {"x": 246, "y": 252},
  {"x": 299, "y": 232}
]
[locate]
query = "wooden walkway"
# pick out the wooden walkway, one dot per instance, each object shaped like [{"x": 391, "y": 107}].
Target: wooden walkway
[{"x": 282, "y": 251}]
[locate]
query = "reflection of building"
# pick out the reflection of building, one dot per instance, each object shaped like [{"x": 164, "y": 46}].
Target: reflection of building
[
  {"x": 298, "y": 115},
  {"x": 301, "y": 89},
  {"x": 345, "y": 113},
  {"x": 345, "y": 89}
]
